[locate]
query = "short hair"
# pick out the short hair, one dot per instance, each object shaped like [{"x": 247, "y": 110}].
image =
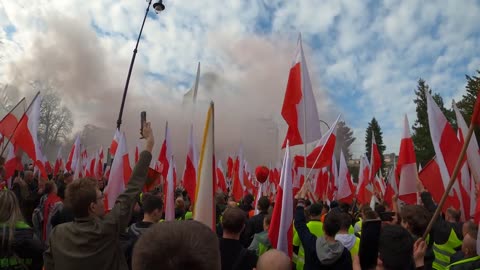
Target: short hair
[
  {"x": 417, "y": 218},
  {"x": 472, "y": 228},
  {"x": 455, "y": 214},
  {"x": 315, "y": 209},
  {"x": 248, "y": 199},
  {"x": 263, "y": 203},
  {"x": 172, "y": 245},
  {"x": 395, "y": 248},
  {"x": 345, "y": 221},
  {"x": 233, "y": 220},
  {"x": 152, "y": 203},
  {"x": 49, "y": 187},
  {"x": 80, "y": 194},
  {"x": 331, "y": 225}
]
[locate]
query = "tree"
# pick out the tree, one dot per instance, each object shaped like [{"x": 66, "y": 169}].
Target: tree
[
  {"x": 421, "y": 132},
  {"x": 56, "y": 121},
  {"x": 375, "y": 127},
  {"x": 344, "y": 140},
  {"x": 468, "y": 99}
]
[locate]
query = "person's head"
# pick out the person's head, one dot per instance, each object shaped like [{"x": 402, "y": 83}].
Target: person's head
[
  {"x": 152, "y": 208},
  {"x": 50, "y": 188},
  {"x": 369, "y": 214},
  {"x": 315, "y": 211},
  {"x": 331, "y": 224},
  {"x": 177, "y": 245},
  {"x": 10, "y": 213},
  {"x": 273, "y": 260},
  {"x": 180, "y": 203},
  {"x": 220, "y": 198},
  {"x": 395, "y": 248},
  {"x": 266, "y": 222},
  {"x": 452, "y": 215},
  {"x": 101, "y": 184},
  {"x": 345, "y": 221},
  {"x": 380, "y": 208},
  {"x": 84, "y": 198},
  {"x": 28, "y": 176},
  {"x": 325, "y": 209},
  {"x": 469, "y": 246},
  {"x": 67, "y": 178},
  {"x": 415, "y": 219},
  {"x": 248, "y": 199},
  {"x": 263, "y": 204},
  {"x": 233, "y": 221},
  {"x": 363, "y": 209},
  {"x": 469, "y": 227},
  {"x": 231, "y": 204}
]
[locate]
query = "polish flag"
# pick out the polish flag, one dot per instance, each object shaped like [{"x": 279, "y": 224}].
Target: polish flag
[
  {"x": 98, "y": 170},
  {"x": 204, "y": 207},
  {"x": 13, "y": 162},
  {"x": 10, "y": 121},
  {"x": 447, "y": 146},
  {"x": 473, "y": 153},
  {"x": 391, "y": 187},
  {"x": 58, "y": 162},
  {"x": 375, "y": 159},
  {"x": 114, "y": 144},
  {"x": 170, "y": 194},
  {"x": 407, "y": 167},
  {"x": 321, "y": 155},
  {"x": 464, "y": 180},
  {"x": 120, "y": 172},
  {"x": 229, "y": 167},
  {"x": 78, "y": 171},
  {"x": 221, "y": 183},
  {"x": 299, "y": 105},
  {"x": 280, "y": 231},
  {"x": 364, "y": 190},
  {"x": 333, "y": 183},
  {"x": 190, "y": 171},
  {"x": 238, "y": 185},
  {"x": 74, "y": 155},
  {"x": 25, "y": 135},
  {"x": 165, "y": 153},
  {"x": 346, "y": 189}
]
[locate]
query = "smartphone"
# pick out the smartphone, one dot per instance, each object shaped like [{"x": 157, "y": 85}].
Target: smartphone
[
  {"x": 368, "y": 252},
  {"x": 143, "y": 119}
]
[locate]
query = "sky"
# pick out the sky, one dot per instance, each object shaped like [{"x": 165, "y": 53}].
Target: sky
[{"x": 364, "y": 57}]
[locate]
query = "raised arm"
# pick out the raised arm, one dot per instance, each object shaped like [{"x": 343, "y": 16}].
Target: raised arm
[{"x": 119, "y": 217}]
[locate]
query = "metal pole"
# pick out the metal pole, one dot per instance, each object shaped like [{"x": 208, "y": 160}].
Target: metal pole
[{"x": 119, "y": 121}]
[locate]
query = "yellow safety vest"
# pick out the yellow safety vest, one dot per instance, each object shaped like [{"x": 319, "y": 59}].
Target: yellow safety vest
[
  {"x": 355, "y": 248},
  {"x": 316, "y": 228},
  {"x": 465, "y": 261},
  {"x": 445, "y": 251}
]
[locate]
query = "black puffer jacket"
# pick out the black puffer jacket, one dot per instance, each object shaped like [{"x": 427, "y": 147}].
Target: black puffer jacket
[{"x": 26, "y": 251}]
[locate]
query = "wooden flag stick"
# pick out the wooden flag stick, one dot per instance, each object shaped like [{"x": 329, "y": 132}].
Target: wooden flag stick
[{"x": 453, "y": 177}]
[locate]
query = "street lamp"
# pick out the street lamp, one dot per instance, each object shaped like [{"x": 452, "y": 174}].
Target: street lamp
[{"x": 159, "y": 7}]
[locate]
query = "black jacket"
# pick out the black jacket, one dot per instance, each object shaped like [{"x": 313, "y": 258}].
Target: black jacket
[
  {"x": 233, "y": 253},
  {"x": 341, "y": 260},
  {"x": 26, "y": 248},
  {"x": 253, "y": 226}
]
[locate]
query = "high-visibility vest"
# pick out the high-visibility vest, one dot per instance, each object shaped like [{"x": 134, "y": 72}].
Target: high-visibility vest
[
  {"x": 445, "y": 251},
  {"x": 466, "y": 264},
  {"x": 356, "y": 247},
  {"x": 358, "y": 226},
  {"x": 188, "y": 215},
  {"x": 316, "y": 228},
  {"x": 263, "y": 246}
]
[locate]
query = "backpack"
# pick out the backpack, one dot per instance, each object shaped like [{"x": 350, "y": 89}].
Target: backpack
[{"x": 37, "y": 217}]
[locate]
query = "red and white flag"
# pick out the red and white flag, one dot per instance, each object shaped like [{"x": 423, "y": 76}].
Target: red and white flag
[
  {"x": 170, "y": 195},
  {"x": 58, "y": 162},
  {"x": 391, "y": 187},
  {"x": 120, "y": 172},
  {"x": 375, "y": 159},
  {"x": 299, "y": 105},
  {"x": 221, "y": 182},
  {"x": 473, "y": 152},
  {"x": 238, "y": 171},
  {"x": 190, "y": 171},
  {"x": 74, "y": 155},
  {"x": 13, "y": 162},
  {"x": 445, "y": 142},
  {"x": 25, "y": 135},
  {"x": 321, "y": 155},
  {"x": 364, "y": 189},
  {"x": 346, "y": 189},
  {"x": 204, "y": 207},
  {"x": 280, "y": 231},
  {"x": 407, "y": 167},
  {"x": 10, "y": 121},
  {"x": 165, "y": 153},
  {"x": 98, "y": 170},
  {"x": 114, "y": 144}
]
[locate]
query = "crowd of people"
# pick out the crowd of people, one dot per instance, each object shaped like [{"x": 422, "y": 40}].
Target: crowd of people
[{"x": 63, "y": 224}]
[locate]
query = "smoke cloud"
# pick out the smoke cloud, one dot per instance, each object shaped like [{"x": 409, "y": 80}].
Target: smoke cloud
[{"x": 248, "y": 91}]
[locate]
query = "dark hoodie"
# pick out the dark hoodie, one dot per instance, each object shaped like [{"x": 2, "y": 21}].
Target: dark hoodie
[{"x": 320, "y": 254}]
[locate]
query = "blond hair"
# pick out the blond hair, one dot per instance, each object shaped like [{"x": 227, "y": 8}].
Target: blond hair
[{"x": 10, "y": 214}]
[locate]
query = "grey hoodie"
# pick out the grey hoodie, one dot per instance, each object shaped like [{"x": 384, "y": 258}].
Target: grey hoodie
[
  {"x": 328, "y": 253},
  {"x": 347, "y": 240}
]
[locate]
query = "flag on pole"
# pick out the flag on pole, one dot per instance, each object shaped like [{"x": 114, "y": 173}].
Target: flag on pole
[
  {"x": 204, "y": 208},
  {"x": 10, "y": 121},
  {"x": 346, "y": 189},
  {"x": 375, "y": 159},
  {"x": 74, "y": 155},
  {"x": 407, "y": 167},
  {"x": 170, "y": 195},
  {"x": 190, "y": 171},
  {"x": 299, "y": 105},
  {"x": 280, "y": 231}
]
